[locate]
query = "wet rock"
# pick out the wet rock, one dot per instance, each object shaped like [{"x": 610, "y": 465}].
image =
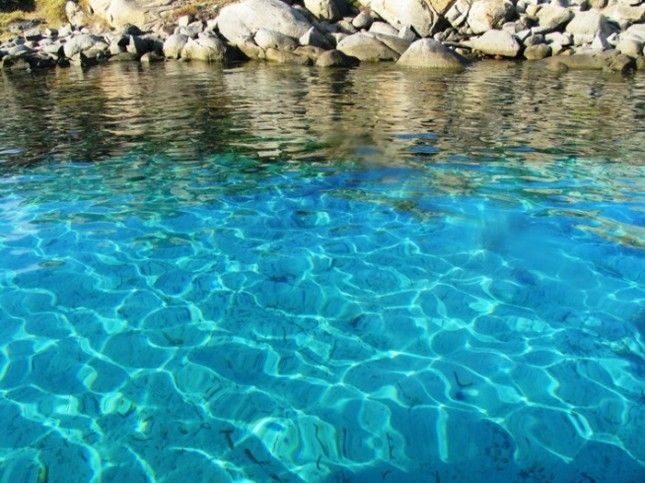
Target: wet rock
[
  {"x": 335, "y": 58},
  {"x": 496, "y": 42},
  {"x": 9, "y": 62},
  {"x": 151, "y": 57},
  {"x": 286, "y": 57},
  {"x": 314, "y": 38},
  {"x": 537, "y": 52},
  {"x": 270, "y": 39},
  {"x": 609, "y": 60},
  {"x": 486, "y": 15},
  {"x": 431, "y": 54},
  {"x": 309, "y": 51},
  {"x": 251, "y": 50},
  {"x": 240, "y": 21},
  {"x": 367, "y": 48},
  {"x": 399, "y": 13},
  {"x": 205, "y": 48},
  {"x": 173, "y": 46}
]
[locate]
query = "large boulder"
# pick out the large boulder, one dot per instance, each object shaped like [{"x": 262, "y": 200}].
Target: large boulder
[
  {"x": 240, "y": 21},
  {"x": 496, "y": 42},
  {"x": 610, "y": 60},
  {"x": 431, "y": 54},
  {"x": 401, "y": 13},
  {"x": 489, "y": 14},
  {"x": 335, "y": 58},
  {"x": 366, "y": 48}
]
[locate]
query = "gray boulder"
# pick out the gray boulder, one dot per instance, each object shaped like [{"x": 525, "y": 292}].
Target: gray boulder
[
  {"x": 537, "y": 52},
  {"x": 431, "y": 54},
  {"x": 335, "y": 58},
  {"x": 366, "y": 48},
  {"x": 496, "y": 42},
  {"x": 489, "y": 14},
  {"x": 364, "y": 20},
  {"x": 173, "y": 46},
  {"x": 240, "y": 21},
  {"x": 400, "y": 13}
]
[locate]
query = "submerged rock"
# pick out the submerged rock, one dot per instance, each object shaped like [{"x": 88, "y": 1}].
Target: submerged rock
[
  {"x": 610, "y": 60},
  {"x": 335, "y": 58},
  {"x": 431, "y": 54}
]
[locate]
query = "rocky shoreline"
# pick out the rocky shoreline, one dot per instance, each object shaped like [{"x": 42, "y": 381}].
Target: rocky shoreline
[{"x": 435, "y": 34}]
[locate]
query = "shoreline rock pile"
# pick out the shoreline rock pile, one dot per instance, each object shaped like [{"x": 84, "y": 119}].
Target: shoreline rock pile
[{"x": 440, "y": 34}]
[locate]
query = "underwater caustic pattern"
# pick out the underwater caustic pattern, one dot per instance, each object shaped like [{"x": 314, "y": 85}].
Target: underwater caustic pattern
[
  {"x": 243, "y": 292},
  {"x": 215, "y": 320}
]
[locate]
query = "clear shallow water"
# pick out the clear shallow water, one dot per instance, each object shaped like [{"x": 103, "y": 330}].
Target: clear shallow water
[{"x": 272, "y": 274}]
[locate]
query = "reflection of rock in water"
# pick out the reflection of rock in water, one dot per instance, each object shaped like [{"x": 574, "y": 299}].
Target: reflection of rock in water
[{"x": 376, "y": 114}]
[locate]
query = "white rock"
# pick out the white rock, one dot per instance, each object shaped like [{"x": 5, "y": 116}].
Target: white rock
[
  {"x": 458, "y": 13},
  {"x": 205, "y": 48},
  {"x": 553, "y": 16},
  {"x": 383, "y": 28},
  {"x": 431, "y": 54},
  {"x": 496, "y": 42},
  {"x": 399, "y": 13},
  {"x": 488, "y": 14},
  {"x": 408, "y": 34},
  {"x": 173, "y": 45},
  {"x": 585, "y": 26},
  {"x": 240, "y": 21}
]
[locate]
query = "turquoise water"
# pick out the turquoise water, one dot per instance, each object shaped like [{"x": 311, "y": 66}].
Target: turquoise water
[{"x": 267, "y": 294}]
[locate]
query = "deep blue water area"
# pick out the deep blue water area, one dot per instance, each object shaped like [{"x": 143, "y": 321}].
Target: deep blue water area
[{"x": 310, "y": 286}]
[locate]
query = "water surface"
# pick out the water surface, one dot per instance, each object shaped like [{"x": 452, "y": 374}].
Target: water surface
[{"x": 286, "y": 274}]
